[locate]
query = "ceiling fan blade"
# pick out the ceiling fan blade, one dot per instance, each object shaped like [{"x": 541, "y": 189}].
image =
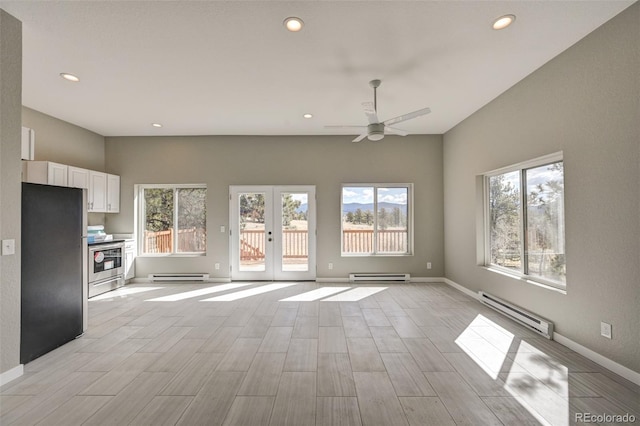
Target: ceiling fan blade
[
  {"x": 394, "y": 131},
  {"x": 345, "y": 127},
  {"x": 359, "y": 138},
  {"x": 408, "y": 116},
  {"x": 370, "y": 112}
]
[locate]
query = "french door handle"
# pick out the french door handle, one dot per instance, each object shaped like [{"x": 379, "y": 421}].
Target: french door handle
[{"x": 270, "y": 239}]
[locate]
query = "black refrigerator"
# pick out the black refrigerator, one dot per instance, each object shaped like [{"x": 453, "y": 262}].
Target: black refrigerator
[{"x": 54, "y": 253}]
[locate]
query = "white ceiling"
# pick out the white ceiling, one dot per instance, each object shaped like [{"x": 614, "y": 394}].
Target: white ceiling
[{"x": 230, "y": 67}]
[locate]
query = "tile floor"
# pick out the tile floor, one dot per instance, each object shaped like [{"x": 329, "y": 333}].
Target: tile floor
[{"x": 308, "y": 354}]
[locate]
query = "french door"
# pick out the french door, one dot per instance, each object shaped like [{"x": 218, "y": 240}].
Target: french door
[{"x": 272, "y": 232}]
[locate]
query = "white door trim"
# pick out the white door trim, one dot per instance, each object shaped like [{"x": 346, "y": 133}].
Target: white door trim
[{"x": 274, "y": 266}]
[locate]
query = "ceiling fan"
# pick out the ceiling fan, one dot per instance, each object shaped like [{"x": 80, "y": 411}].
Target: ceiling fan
[{"x": 376, "y": 130}]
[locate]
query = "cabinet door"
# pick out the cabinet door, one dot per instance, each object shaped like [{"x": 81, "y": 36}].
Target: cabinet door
[
  {"x": 97, "y": 192},
  {"x": 78, "y": 178},
  {"x": 129, "y": 264},
  {"x": 57, "y": 174},
  {"x": 113, "y": 194},
  {"x": 28, "y": 143}
]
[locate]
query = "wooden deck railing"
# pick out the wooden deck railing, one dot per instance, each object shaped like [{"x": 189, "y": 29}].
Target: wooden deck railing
[
  {"x": 190, "y": 240},
  {"x": 295, "y": 244},
  {"x": 361, "y": 240}
]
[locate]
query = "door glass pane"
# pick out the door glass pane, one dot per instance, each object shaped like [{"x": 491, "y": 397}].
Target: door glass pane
[
  {"x": 392, "y": 220},
  {"x": 158, "y": 221},
  {"x": 545, "y": 222},
  {"x": 295, "y": 235},
  {"x": 357, "y": 219},
  {"x": 192, "y": 226},
  {"x": 252, "y": 232},
  {"x": 504, "y": 220}
]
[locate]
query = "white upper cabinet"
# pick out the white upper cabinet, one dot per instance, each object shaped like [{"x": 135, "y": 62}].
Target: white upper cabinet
[
  {"x": 103, "y": 190},
  {"x": 97, "y": 191},
  {"x": 78, "y": 178},
  {"x": 45, "y": 172},
  {"x": 28, "y": 143},
  {"x": 113, "y": 193}
]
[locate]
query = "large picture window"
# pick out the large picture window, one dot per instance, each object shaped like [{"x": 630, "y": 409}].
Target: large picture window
[
  {"x": 525, "y": 220},
  {"x": 172, "y": 219},
  {"x": 376, "y": 219}
]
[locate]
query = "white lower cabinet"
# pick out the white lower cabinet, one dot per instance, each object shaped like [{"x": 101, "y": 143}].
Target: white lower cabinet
[{"x": 129, "y": 259}]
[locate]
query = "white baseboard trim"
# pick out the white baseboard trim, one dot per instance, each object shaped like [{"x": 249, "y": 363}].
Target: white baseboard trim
[
  {"x": 413, "y": 280},
  {"x": 11, "y": 375},
  {"x": 607, "y": 363},
  {"x": 427, "y": 279},
  {"x": 148, "y": 281},
  {"x": 461, "y": 288},
  {"x": 601, "y": 360}
]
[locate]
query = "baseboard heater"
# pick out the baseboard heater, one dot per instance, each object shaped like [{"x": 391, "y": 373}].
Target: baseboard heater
[
  {"x": 178, "y": 277},
  {"x": 379, "y": 277},
  {"x": 529, "y": 320}
]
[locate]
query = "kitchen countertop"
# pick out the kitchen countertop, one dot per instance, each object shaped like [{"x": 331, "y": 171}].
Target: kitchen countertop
[{"x": 106, "y": 242}]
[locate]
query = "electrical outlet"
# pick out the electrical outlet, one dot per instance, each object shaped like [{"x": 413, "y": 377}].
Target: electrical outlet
[
  {"x": 222, "y": 229},
  {"x": 428, "y": 265},
  {"x": 330, "y": 265},
  {"x": 217, "y": 266},
  {"x": 605, "y": 330}
]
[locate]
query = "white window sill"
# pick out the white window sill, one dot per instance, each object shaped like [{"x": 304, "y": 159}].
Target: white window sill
[{"x": 525, "y": 278}]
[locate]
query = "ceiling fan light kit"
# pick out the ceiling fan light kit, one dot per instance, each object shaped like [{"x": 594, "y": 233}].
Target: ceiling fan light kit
[{"x": 376, "y": 129}]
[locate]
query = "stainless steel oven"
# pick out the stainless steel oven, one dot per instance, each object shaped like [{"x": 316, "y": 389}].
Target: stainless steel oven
[{"x": 106, "y": 267}]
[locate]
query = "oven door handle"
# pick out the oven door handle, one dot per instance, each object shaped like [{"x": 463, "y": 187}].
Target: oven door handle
[
  {"x": 107, "y": 281},
  {"x": 103, "y": 247}
]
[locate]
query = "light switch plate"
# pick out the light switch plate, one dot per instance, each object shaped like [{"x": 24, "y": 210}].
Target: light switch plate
[
  {"x": 8, "y": 247},
  {"x": 605, "y": 330}
]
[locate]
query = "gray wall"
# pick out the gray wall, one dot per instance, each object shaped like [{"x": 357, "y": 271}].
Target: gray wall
[
  {"x": 584, "y": 102},
  {"x": 327, "y": 162},
  {"x": 66, "y": 143},
  {"x": 63, "y": 142},
  {"x": 10, "y": 191}
]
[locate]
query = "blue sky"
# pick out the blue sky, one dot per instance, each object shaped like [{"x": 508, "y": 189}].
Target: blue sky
[{"x": 364, "y": 195}]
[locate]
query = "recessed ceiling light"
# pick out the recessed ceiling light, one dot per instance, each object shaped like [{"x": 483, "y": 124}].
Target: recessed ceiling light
[
  {"x": 156, "y": 124},
  {"x": 69, "y": 77},
  {"x": 293, "y": 24},
  {"x": 503, "y": 22},
  {"x": 307, "y": 115}
]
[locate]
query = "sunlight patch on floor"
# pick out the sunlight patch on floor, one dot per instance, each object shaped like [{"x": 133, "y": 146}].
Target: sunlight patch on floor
[
  {"x": 536, "y": 380},
  {"x": 316, "y": 294},
  {"x": 544, "y": 388},
  {"x": 485, "y": 354},
  {"x": 196, "y": 293},
  {"x": 354, "y": 295},
  {"x": 122, "y": 292},
  {"x": 249, "y": 292}
]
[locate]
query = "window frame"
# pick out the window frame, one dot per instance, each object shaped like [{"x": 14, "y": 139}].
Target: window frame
[
  {"x": 410, "y": 224},
  {"x": 522, "y": 273},
  {"x": 141, "y": 214}
]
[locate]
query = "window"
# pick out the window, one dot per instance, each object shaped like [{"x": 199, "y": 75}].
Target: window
[
  {"x": 173, "y": 219},
  {"x": 376, "y": 219},
  {"x": 525, "y": 220}
]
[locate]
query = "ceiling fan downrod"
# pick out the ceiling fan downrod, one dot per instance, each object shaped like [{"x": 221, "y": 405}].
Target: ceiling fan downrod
[{"x": 375, "y": 84}]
